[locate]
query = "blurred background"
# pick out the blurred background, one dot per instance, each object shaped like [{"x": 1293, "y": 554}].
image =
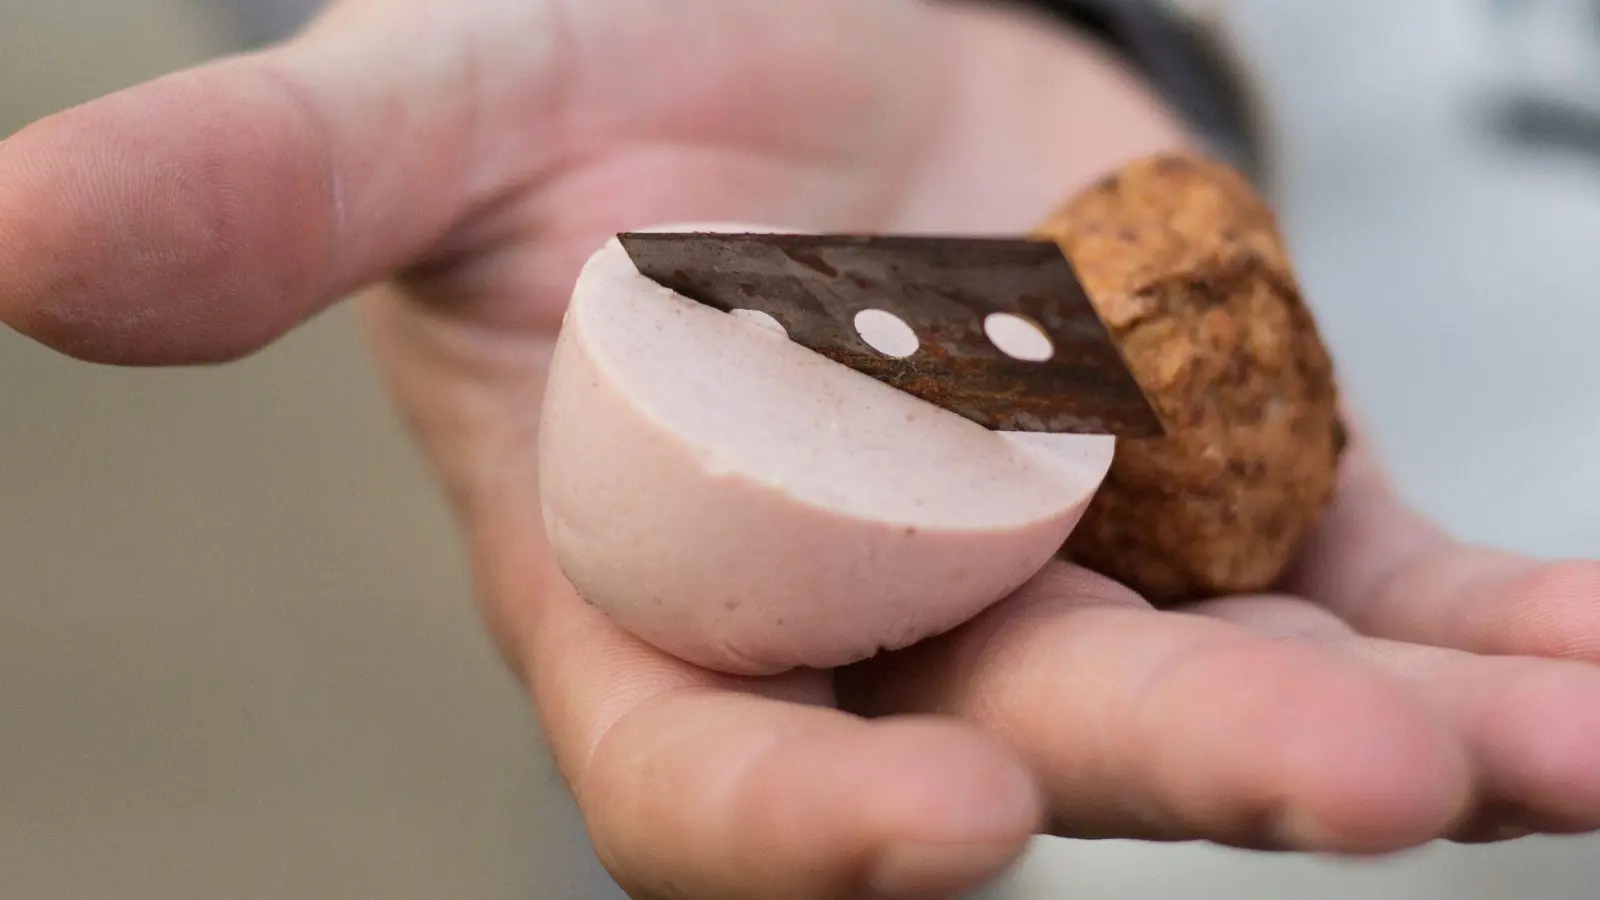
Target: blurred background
[{"x": 238, "y": 656}]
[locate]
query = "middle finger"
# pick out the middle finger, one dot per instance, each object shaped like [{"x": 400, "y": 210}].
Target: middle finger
[{"x": 1172, "y": 726}]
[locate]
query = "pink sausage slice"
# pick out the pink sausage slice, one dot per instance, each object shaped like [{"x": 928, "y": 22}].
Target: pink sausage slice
[{"x": 747, "y": 505}]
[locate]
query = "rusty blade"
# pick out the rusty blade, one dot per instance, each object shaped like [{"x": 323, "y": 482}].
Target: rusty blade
[{"x": 944, "y": 288}]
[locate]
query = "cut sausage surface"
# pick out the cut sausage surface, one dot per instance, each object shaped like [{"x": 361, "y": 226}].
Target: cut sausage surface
[{"x": 750, "y": 506}]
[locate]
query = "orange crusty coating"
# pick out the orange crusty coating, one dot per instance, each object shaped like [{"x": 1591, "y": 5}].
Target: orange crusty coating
[{"x": 1185, "y": 264}]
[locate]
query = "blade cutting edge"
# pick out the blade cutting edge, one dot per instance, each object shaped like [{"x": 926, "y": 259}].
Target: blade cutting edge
[{"x": 945, "y": 289}]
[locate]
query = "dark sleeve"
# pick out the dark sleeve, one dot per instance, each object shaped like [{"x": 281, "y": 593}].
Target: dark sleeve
[{"x": 1187, "y": 67}]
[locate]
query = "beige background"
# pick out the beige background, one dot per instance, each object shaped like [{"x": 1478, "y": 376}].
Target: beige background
[{"x": 237, "y": 654}]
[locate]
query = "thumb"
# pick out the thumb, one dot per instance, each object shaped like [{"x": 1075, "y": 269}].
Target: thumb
[{"x": 198, "y": 217}]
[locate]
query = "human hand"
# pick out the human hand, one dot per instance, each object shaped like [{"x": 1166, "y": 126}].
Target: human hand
[{"x": 468, "y": 154}]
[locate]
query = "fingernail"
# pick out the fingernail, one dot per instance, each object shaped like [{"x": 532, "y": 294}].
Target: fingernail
[
  {"x": 1296, "y": 829},
  {"x": 1493, "y": 833},
  {"x": 914, "y": 870},
  {"x": 1509, "y": 832}
]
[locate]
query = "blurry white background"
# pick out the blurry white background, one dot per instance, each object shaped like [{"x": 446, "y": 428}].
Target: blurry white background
[
  {"x": 1454, "y": 261},
  {"x": 237, "y": 655}
]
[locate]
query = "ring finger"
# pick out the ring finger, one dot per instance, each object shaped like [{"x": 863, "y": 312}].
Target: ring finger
[{"x": 1529, "y": 724}]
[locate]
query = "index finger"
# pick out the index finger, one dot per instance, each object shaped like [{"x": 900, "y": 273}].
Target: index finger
[{"x": 698, "y": 784}]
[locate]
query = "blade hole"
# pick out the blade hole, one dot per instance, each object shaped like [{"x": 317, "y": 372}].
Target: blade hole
[
  {"x": 1018, "y": 337},
  {"x": 886, "y": 333},
  {"x": 761, "y": 320}
]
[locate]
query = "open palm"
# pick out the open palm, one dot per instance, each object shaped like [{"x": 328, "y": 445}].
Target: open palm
[{"x": 466, "y": 155}]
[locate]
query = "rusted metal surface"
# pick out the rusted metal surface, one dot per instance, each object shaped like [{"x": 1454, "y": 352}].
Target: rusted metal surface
[{"x": 944, "y": 288}]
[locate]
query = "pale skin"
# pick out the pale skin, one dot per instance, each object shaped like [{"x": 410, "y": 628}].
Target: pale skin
[{"x": 457, "y": 160}]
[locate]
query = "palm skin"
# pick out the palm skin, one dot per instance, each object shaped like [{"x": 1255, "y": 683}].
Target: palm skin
[{"x": 466, "y": 156}]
